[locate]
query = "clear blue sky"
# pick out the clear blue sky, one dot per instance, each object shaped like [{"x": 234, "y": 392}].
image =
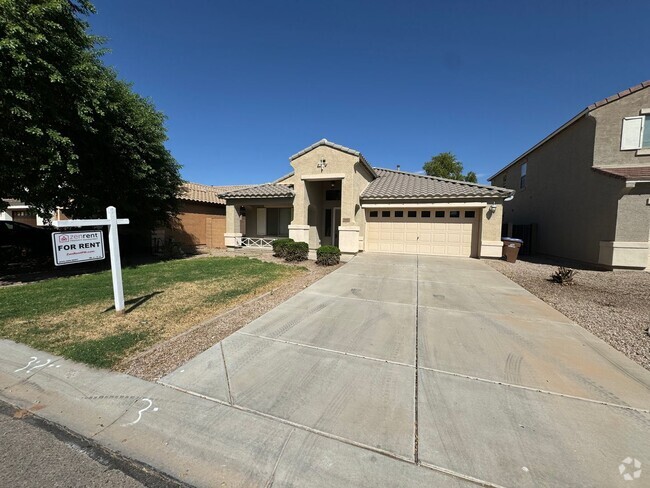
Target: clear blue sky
[{"x": 247, "y": 84}]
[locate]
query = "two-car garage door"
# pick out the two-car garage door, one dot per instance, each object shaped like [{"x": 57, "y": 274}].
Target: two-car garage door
[{"x": 434, "y": 231}]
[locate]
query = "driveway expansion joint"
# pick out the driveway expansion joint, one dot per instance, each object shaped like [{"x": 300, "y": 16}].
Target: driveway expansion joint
[
  {"x": 536, "y": 390},
  {"x": 324, "y": 349}
]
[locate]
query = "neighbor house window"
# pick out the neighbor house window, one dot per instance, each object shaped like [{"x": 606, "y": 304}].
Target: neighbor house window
[
  {"x": 636, "y": 132},
  {"x": 522, "y": 178},
  {"x": 399, "y": 213},
  {"x": 440, "y": 214},
  {"x": 454, "y": 214},
  {"x": 374, "y": 213},
  {"x": 412, "y": 214},
  {"x": 426, "y": 214},
  {"x": 385, "y": 213}
]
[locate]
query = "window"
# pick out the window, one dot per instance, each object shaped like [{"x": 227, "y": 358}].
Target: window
[
  {"x": 440, "y": 214},
  {"x": 332, "y": 195},
  {"x": 374, "y": 213},
  {"x": 454, "y": 214},
  {"x": 399, "y": 213},
  {"x": 426, "y": 214},
  {"x": 277, "y": 221},
  {"x": 522, "y": 178},
  {"x": 385, "y": 213},
  {"x": 412, "y": 214},
  {"x": 505, "y": 178},
  {"x": 636, "y": 132},
  {"x": 470, "y": 214}
]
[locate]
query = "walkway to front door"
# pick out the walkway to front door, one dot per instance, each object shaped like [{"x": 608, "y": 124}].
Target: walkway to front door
[{"x": 442, "y": 364}]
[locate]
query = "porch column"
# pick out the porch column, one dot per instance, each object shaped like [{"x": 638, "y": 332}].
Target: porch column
[
  {"x": 299, "y": 227},
  {"x": 233, "y": 234},
  {"x": 348, "y": 230}
]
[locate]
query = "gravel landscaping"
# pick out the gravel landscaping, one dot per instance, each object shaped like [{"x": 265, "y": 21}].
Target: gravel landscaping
[{"x": 613, "y": 305}]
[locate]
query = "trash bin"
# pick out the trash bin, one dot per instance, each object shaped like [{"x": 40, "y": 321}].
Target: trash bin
[{"x": 511, "y": 248}]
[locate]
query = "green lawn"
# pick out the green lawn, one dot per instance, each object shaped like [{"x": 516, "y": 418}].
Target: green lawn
[{"x": 73, "y": 316}]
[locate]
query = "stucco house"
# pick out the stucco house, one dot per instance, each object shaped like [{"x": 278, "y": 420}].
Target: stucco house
[
  {"x": 583, "y": 192},
  {"x": 17, "y": 211},
  {"x": 334, "y": 196},
  {"x": 201, "y": 219}
]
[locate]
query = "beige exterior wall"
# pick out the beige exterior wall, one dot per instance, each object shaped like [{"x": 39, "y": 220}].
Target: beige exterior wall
[
  {"x": 609, "y": 123},
  {"x": 573, "y": 206},
  {"x": 310, "y": 183}
]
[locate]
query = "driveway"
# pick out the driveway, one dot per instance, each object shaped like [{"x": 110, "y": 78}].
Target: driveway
[{"x": 443, "y": 364}]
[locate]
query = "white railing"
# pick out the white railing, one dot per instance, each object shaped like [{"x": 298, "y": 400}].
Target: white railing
[{"x": 256, "y": 241}]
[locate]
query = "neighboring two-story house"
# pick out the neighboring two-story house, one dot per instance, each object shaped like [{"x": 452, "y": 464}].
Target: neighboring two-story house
[
  {"x": 334, "y": 196},
  {"x": 583, "y": 192}
]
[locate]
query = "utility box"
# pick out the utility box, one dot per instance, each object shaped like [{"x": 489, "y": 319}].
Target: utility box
[{"x": 511, "y": 248}]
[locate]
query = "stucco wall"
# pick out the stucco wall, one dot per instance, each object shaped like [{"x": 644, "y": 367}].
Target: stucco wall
[
  {"x": 609, "y": 122},
  {"x": 633, "y": 223},
  {"x": 573, "y": 206}
]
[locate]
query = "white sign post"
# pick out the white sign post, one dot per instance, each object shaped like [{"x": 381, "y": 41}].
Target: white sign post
[{"x": 113, "y": 243}]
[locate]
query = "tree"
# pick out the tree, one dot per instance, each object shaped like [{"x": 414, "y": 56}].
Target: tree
[
  {"x": 445, "y": 165},
  {"x": 72, "y": 135}
]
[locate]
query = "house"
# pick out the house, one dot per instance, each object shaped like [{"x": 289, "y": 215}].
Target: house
[
  {"x": 17, "y": 211},
  {"x": 334, "y": 196},
  {"x": 583, "y": 192},
  {"x": 201, "y": 220}
]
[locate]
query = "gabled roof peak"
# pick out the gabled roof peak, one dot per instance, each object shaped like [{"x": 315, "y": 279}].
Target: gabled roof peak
[{"x": 325, "y": 142}]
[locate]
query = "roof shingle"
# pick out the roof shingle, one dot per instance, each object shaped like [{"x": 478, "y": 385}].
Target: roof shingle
[
  {"x": 411, "y": 186},
  {"x": 639, "y": 173},
  {"x": 196, "y": 192},
  {"x": 268, "y": 190}
]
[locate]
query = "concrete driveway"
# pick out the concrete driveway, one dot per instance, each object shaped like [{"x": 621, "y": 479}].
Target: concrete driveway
[{"x": 443, "y": 364}]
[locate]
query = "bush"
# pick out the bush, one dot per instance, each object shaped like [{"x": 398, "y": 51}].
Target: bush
[
  {"x": 280, "y": 246},
  {"x": 296, "y": 251},
  {"x": 564, "y": 276},
  {"x": 328, "y": 255}
]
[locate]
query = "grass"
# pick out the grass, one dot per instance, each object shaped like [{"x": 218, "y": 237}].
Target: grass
[{"x": 74, "y": 317}]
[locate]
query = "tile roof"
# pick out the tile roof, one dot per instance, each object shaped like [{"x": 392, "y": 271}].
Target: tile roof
[
  {"x": 325, "y": 142},
  {"x": 589, "y": 108},
  {"x": 402, "y": 185},
  {"x": 268, "y": 190},
  {"x": 619, "y": 95},
  {"x": 639, "y": 173},
  {"x": 196, "y": 192}
]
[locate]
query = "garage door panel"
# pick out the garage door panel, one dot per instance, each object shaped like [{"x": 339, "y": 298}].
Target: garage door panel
[{"x": 422, "y": 235}]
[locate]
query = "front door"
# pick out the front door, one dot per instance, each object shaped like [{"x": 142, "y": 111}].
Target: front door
[{"x": 332, "y": 222}]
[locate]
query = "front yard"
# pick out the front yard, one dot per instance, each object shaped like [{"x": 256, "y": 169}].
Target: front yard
[
  {"x": 74, "y": 316},
  {"x": 613, "y": 305}
]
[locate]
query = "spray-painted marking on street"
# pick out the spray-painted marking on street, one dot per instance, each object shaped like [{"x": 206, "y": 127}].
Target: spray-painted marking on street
[
  {"x": 35, "y": 363},
  {"x": 141, "y": 411}
]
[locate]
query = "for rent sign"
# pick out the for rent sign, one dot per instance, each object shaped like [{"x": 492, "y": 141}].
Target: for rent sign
[{"x": 77, "y": 247}]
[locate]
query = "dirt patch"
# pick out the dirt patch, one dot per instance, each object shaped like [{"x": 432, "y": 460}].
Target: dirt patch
[
  {"x": 613, "y": 305},
  {"x": 165, "y": 357}
]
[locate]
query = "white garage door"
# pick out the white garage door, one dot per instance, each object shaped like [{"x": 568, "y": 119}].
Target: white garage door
[{"x": 435, "y": 231}]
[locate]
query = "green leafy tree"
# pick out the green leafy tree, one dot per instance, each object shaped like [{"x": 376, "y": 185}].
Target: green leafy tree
[
  {"x": 72, "y": 135},
  {"x": 445, "y": 165}
]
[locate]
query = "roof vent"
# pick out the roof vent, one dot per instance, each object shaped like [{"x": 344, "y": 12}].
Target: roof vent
[{"x": 398, "y": 167}]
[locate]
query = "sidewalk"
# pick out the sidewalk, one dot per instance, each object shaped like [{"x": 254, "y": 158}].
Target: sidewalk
[{"x": 192, "y": 439}]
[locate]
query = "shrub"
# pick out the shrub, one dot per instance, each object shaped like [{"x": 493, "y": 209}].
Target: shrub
[
  {"x": 296, "y": 251},
  {"x": 328, "y": 255},
  {"x": 564, "y": 276},
  {"x": 280, "y": 247}
]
